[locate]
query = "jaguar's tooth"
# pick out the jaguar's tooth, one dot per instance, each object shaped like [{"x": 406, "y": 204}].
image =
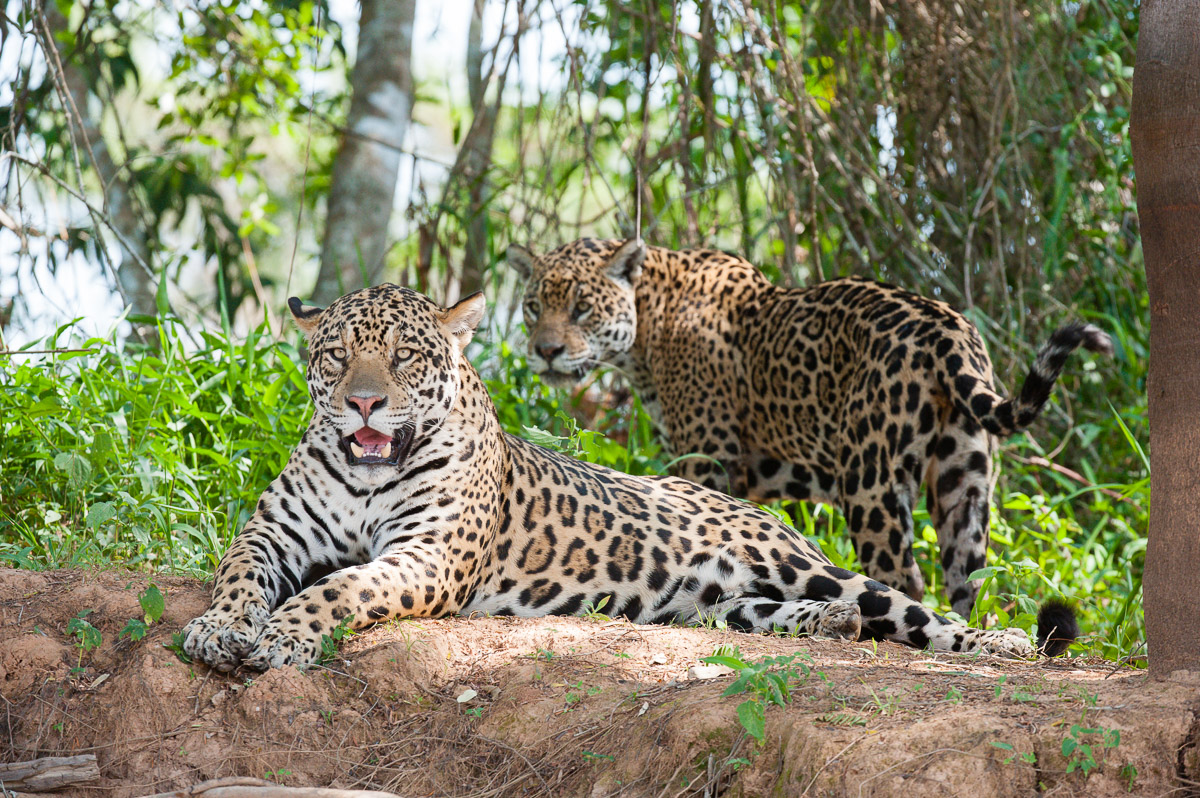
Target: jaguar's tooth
[
  {"x": 355, "y": 449},
  {"x": 385, "y": 451}
]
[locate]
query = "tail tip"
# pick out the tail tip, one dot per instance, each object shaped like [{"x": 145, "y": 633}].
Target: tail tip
[
  {"x": 1096, "y": 340},
  {"x": 1089, "y": 336},
  {"x": 1057, "y": 627}
]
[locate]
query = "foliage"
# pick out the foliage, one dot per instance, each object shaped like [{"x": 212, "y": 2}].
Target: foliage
[
  {"x": 1080, "y": 745},
  {"x": 153, "y": 605},
  {"x": 331, "y": 641},
  {"x": 767, "y": 681},
  {"x": 144, "y": 457},
  {"x": 87, "y": 637}
]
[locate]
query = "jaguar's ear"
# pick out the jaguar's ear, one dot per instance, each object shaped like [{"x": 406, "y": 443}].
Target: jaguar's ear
[
  {"x": 626, "y": 265},
  {"x": 522, "y": 260},
  {"x": 307, "y": 316},
  {"x": 462, "y": 319}
]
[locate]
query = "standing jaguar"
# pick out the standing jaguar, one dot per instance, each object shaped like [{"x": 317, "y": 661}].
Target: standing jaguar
[
  {"x": 405, "y": 498},
  {"x": 850, "y": 392}
]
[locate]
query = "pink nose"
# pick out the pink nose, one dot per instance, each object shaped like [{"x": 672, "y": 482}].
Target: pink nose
[{"x": 366, "y": 404}]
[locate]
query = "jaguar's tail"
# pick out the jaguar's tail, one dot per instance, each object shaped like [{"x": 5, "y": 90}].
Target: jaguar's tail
[
  {"x": 1057, "y": 627},
  {"x": 1003, "y": 417}
]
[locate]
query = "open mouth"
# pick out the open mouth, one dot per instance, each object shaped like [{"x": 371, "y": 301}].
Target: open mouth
[{"x": 372, "y": 447}]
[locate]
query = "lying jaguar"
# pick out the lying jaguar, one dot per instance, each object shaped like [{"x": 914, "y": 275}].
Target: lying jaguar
[
  {"x": 405, "y": 498},
  {"x": 850, "y": 392}
]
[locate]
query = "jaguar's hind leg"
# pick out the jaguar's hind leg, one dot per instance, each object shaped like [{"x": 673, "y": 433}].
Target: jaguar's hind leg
[
  {"x": 836, "y": 619},
  {"x": 959, "y": 501}
]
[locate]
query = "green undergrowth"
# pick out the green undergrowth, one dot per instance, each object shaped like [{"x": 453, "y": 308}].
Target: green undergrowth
[{"x": 154, "y": 457}]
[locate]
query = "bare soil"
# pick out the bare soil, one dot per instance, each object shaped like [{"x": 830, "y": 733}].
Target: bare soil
[{"x": 566, "y": 706}]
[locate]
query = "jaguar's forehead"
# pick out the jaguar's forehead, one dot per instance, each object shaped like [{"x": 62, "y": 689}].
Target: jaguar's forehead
[
  {"x": 562, "y": 271},
  {"x": 371, "y": 314},
  {"x": 583, "y": 256}
]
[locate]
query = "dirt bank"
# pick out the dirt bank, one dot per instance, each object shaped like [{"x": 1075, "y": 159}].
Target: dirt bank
[{"x": 565, "y": 706}]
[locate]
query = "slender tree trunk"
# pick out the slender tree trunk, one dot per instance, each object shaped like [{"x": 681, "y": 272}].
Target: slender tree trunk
[
  {"x": 367, "y": 165},
  {"x": 137, "y": 282},
  {"x": 1166, "y": 153},
  {"x": 478, "y": 157}
]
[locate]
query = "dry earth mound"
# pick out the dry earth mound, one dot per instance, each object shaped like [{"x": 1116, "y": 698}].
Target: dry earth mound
[{"x": 566, "y": 706}]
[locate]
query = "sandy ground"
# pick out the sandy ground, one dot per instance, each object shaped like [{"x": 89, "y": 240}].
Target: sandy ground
[{"x": 566, "y": 706}]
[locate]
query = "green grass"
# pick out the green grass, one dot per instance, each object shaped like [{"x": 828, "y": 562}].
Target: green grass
[
  {"x": 154, "y": 458},
  {"x": 139, "y": 457}
]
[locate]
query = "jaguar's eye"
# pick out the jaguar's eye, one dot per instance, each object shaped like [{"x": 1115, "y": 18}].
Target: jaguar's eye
[
  {"x": 338, "y": 354},
  {"x": 404, "y": 354},
  {"x": 582, "y": 308},
  {"x": 532, "y": 309}
]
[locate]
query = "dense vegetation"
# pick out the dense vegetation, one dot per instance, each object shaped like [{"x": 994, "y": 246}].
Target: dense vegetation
[{"x": 976, "y": 152}]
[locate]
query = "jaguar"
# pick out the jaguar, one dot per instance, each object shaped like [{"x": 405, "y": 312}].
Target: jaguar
[
  {"x": 851, "y": 392},
  {"x": 404, "y": 497}
]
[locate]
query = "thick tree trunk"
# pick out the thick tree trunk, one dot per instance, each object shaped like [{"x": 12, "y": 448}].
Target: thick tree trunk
[
  {"x": 367, "y": 165},
  {"x": 1166, "y": 152}
]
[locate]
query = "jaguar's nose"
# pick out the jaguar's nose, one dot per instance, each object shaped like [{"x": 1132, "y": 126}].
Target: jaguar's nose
[
  {"x": 366, "y": 405},
  {"x": 550, "y": 351}
]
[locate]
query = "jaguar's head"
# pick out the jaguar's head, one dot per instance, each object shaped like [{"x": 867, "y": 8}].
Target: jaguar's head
[
  {"x": 579, "y": 305},
  {"x": 384, "y": 369}
]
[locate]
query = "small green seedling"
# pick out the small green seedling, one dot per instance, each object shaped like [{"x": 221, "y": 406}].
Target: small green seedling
[
  {"x": 332, "y": 641},
  {"x": 153, "y": 605},
  {"x": 87, "y": 637},
  {"x": 591, "y": 612},
  {"x": 768, "y": 681}
]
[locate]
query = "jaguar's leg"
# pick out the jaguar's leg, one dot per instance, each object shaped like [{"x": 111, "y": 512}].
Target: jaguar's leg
[
  {"x": 959, "y": 495},
  {"x": 837, "y": 619}
]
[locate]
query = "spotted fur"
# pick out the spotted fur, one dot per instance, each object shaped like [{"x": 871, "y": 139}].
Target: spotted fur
[
  {"x": 464, "y": 518},
  {"x": 851, "y": 392}
]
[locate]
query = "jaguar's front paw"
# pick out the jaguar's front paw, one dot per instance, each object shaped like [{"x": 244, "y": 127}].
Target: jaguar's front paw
[
  {"x": 222, "y": 638},
  {"x": 285, "y": 641}
]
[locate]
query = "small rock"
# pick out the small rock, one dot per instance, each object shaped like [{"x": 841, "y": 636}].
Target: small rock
[{"x": 658, "y": 659}]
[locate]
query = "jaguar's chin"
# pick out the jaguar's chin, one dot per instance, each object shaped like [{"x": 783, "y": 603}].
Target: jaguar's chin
[
  {"x": 370, "y": 447},
  {"x": 562, "y": 379}
]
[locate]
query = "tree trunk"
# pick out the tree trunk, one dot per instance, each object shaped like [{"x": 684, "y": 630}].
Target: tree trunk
[
  {"x": 478, "y": 154},
  {"x": 367, "y": 165},
  {"x": 1166, "y": 153},
  {"x": 137, "y": 281}
]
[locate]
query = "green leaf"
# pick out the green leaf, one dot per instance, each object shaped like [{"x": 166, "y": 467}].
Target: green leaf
[
  {"x": 752, "y": 714},
  {"x": 102, "y": 447},
  {"x": 728, "y": 662},
  {"x": 738, "y": 686},
  {"x": 176, "y": 647},
  {"x": 543, "y": 438},
  {"x": 134, "y": 629},
  {"x": 99, "y": 513},
  {"x": 160, "y": 296},
  {"x": 1004, "y": 746},
  {"x": 76, "y": 467},
  {"x": 153, "y": 603},
  {"x": 983, "y": 573},
  {"x": 88, "y": 636}
]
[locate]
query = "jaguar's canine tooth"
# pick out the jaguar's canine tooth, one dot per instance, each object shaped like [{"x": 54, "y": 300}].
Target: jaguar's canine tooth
[{"x": 355, "y": 449}]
